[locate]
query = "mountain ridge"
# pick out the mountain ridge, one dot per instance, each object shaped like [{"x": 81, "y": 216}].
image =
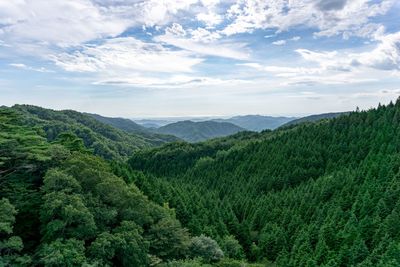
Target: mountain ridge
[{"x": 199, "y": 131}]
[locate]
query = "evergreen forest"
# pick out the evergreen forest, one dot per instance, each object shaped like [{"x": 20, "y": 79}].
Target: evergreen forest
[{"x": 75, "y": 191}]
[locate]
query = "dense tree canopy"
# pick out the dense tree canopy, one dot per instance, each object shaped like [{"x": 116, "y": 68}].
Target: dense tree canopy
[
  {"x": 86, "y": 214},
  {"x": 314, "y": 194}
]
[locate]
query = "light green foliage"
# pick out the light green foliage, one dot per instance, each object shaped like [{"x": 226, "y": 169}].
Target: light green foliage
[
  {"x": 64, "y": 213},
  {"x": 168, "y": 239},
  {"x": 124, "y": 247},
  {"x": 232, "y": 248},
  {"x": 7, "y": 216},
  {"x": 186, "y": 263},
  {"x": 57, "y": 181},
  {"x": 205, "y": 248},
  {"x": 68, "y": 253}
]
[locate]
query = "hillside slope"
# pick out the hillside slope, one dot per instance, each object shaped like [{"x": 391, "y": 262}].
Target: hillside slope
[
  {"x": 199, "y": 131},
  {"x": 257, "y": 123},
  {"x": 62, "y": 206},
  {"x": 317, "y": 194},
  {"x": 105, "y": 140},
  {"x": 130, "y": 126},
  {"x": 315, "y": 118}
]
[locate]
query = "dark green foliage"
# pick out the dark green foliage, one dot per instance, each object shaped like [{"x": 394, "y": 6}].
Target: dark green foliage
[
  {"x": 231, "y": 248},
  {"x": 103, "y": 139},
  {"x": 10, "y": 245},
  {"x": 316, "y": 194},
  {"x": 125, "y": 246},
  {"x": 168, "y": 239},
  {"x": 72, "y": 209},
  {"x": 70, "y": 252},
  {"x": 314, "y": 118}
]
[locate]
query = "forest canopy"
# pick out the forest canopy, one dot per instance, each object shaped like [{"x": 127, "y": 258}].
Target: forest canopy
[{"x": 323, "y": 193}]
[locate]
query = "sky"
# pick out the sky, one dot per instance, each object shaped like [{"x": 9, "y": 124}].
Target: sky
[{"x": 162, "y": 58}]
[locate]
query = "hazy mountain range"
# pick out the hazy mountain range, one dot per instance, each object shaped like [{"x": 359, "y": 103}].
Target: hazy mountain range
[
  {"x": 199, "y": 131},
  {"x": 196, "y": 129},
  {"x": 257, "y": 122}
]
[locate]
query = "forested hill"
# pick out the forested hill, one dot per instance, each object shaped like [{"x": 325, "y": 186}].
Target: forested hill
[
  {"x": 318, "y": 194},
  {"x": 105, "y": 140},
  {"x": 132, "y": 127},
  {"x": 315, "y": 118},
  {"x": 199, "y": 131},
  {"x": 315, "y": 194},
  {"x": 62, "y": 206},
  {"x": 120, "y": 123}
]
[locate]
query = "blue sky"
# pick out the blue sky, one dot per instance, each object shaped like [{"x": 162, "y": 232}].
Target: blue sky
[{"x": 160, "y": 58}]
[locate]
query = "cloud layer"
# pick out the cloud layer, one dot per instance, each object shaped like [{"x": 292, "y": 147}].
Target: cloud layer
[{"x": 187, "y": 44}]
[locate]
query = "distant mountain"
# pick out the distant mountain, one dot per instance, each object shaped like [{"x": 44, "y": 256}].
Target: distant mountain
[
  {"x": 150, "y": 125},
  {"x": 130, "y": 126},
  {"x": 153, "y": 123},
  {"x": 199, "y": 131},
  {"x": 314, "y": 118},
  {"x": 257, "y": 122},
  {"x": 162, "y": 121}
]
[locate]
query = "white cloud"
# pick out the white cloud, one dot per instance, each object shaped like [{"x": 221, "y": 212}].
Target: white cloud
[
  {"x": 156, "y": 12},
  {"x": 283, "y": 42},
  {"x": 126, "y": 55},
  {"x": 203, "y": 35},
  {"x": 175, "y": 81},
  {"x": 279, "y": 42},
  {"x": 385, "y": 56},
  {"x": 340, "y": 67},
  {"x": 204, "y": 42},
  {"x": 210, "y": 19},
  {"x": 61, "y": 22},
  {"x": 328, "y": 17},
  {"x": 176, "y": 29},
  {"x": 25, "y": 67}
]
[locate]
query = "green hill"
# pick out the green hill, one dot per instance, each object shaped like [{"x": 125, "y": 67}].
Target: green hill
[
  {"x": 323, "y": 193},
  {"x": 315, "y": 118},
  {"x": 120, "y": 123},
  {"x": 62, "y": 206},
  {"x": 318, "y": 194},
  {"x": 105, "y": 140},
  {"x": 130, "y": 126},
  {"x": 199, "y": 131}
]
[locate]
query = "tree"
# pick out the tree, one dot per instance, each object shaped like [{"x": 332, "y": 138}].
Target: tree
[
  {"x": 206, "y": 248},
  {"x": 64, "y": 213},
  {"x": 123, "y": 247},
  {"x": 168, "y": 240},
  {"x": 10, "y": 246},
  {"x": 232, "y": 248},
  {"x": 63, "y": 252}
]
